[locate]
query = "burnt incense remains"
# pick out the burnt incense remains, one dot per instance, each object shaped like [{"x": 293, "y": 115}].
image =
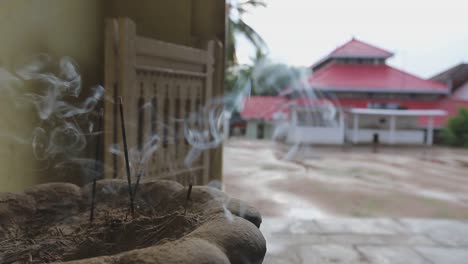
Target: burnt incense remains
[
  {"x": 189, "y": 191},
  {"x": 98, "y": 153},
  {"x": 127, "y": 162}
]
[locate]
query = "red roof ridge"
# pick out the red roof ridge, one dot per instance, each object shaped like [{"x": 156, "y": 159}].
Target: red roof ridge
[
  {"x": 370, "y": 47},
  {"x": 355, "y": 48}
]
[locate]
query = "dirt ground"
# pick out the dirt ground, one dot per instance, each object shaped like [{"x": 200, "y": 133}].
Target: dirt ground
[{"x": 307, "y": 182}]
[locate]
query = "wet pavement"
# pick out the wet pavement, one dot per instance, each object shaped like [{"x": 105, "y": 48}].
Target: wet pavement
[
  {"x": 331, "y": 181},
  {"x": 335, "y": 205},
  {"x": 366, "y": 240}
]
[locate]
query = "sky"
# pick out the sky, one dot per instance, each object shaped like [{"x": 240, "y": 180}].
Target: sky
[{"x": 427, "y": 37}]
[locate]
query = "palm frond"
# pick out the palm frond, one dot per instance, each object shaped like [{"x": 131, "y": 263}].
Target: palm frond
[
  {"x": 252, "y": 3},
  {"x": 237, "y": 27},
  {"x": 242, "y": 28}
]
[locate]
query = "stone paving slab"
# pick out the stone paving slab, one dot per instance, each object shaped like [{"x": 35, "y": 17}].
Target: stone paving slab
[
  {"x": 360, "y": 226},
  {"x": 446, "y": 232},
  {"x": 335, "y": 254},
  {"x": 330, "y": 253},
  {"x": 444, "y": 255},
  {"x": 353, "y": 240},
  {"x": 391, "y": 255}
]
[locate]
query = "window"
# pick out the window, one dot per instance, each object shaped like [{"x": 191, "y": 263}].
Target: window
[{"x": 384, "y": 105}]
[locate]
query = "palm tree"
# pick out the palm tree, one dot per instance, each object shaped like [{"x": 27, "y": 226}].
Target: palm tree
[
  {"x": 263, "y": 76},
  {"x": 237, "y": 26}
]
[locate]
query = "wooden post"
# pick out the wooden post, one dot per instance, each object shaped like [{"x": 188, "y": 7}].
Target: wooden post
[
  {"x": 208, "y": 98},
  {"x": 126, "y": 77},
  {"x": 216, "y": 166}
]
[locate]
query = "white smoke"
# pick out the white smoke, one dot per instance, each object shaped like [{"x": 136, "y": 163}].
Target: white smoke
[{"x": 52, "y": 88}]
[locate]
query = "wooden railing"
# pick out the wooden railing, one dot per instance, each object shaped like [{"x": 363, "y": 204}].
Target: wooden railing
[{"x": 161, "y": 84}]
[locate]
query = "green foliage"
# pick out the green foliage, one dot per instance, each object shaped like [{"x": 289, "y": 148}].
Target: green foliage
[
  {"x": 456, "y": 131},
  {"x": 271, "y": 78},
  {"x": 237, "y": 26},
  {"x": 263, "y": 77}
]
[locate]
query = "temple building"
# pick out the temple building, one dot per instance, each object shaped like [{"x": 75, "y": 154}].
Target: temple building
[{"x": 353, "y": 95}]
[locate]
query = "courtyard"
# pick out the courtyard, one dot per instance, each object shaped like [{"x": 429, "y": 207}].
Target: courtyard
[{"x": 350, "y": 205}]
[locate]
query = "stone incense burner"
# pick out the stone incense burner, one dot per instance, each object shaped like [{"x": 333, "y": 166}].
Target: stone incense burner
[{"x": 50, "y": 223}]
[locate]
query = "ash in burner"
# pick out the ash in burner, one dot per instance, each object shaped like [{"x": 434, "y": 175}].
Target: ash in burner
[
  {"x": 50, "y": 222},
  {"x": 59, "y": 228},
  {"x": 109, "y": 235}
]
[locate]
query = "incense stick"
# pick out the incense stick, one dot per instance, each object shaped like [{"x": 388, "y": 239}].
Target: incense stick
[
  {"x": 189, "y": 191},
  {"x": 127, "y": 163},
  {"x": 137, "y": 184},
  {"x": 98, "y": 148}
]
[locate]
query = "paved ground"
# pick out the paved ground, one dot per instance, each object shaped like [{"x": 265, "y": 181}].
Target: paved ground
[
  {"x": 341, "y": 205},
  {"x": 311, "y": 182},
  {"x": 358, "y": 240}
]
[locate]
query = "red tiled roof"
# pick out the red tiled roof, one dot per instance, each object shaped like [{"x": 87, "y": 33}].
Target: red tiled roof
[
  {"x": 263, "y": 107},
  {"x": 356, "y": 48},
  {"x": 461, "y": 93},
  {"x": 370, "y": 77}
]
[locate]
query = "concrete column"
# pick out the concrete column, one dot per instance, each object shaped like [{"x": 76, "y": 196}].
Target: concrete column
[
  {"x": 251, "y": 129},
  {"x": 342, "y": 126},
  {"x": 268, "y": 130},
  {"x": 430, "y": 130},
  {"x": 392, "y": 129},
  {"x": 226, "y": 127},
  {"x": 355, "y": 128},
  {"x": 293, "y": 111}
]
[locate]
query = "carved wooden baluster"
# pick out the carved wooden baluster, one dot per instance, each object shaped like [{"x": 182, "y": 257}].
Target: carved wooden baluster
[
  {"x": 166, "y": 103},
  {"x": 201, "y": 125},
  {"x": 177, "y": 127},
  {"x": 182, "y": 145},
  {"x": 166, "y": 116},
  {"x": 140, "y": 117},
  {"x": 161, "y": 85},
  {"x": 140, "y": 167},
  {"x": 147, "y": 123},
  {"x": 154, "y": 127},
  {"x": 115, "y": 131},
  {"x": 188, "y": 110},
  {"x": 172, "y": 137}
]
